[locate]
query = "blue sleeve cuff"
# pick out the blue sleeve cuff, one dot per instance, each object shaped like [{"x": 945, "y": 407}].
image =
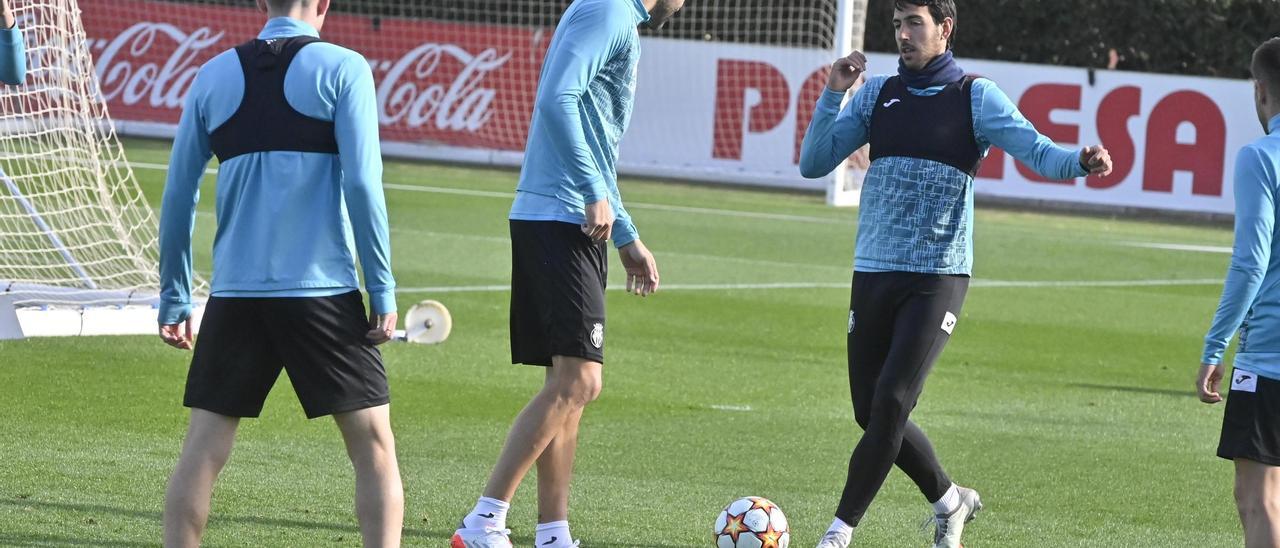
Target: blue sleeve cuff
[
  {"x": 383, "y": 301},
  {"x": 624, "y": 234},
  {"x": 173, "y": 313},
  {"x": 830, "y": 99},
  {"x": 1081, "y": 171},
  {"x": 11, "y": 36},
  {"x": 1212, "y": 355}
]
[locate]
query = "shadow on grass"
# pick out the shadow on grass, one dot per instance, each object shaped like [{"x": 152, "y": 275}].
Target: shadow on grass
[
  {"x": 1136, "y": 390},
  {"x": 37, "y": 539},
  {"x": 40, "y": 539}
]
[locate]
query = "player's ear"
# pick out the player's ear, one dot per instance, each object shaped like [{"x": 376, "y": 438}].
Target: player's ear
[
  {"x": 948, "y": 28},
  {"x": 262, "y": 6},
  {"x": 322, "y": 7}
]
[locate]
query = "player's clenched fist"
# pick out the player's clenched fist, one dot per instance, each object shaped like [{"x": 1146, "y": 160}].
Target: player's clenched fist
[
  {"x": 846, "y": 70},
  {"x": 1096, "y": 160}
]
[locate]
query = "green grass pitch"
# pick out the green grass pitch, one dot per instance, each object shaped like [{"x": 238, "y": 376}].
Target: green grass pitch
[{"x": 1069, "y": 406}]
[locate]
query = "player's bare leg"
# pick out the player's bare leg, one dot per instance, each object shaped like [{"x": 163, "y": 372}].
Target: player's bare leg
[
  {"x": 205, "y": 451},
  {"x": 567, "y": 391},
  {"x": 379, "y": 492},
  {"x": 1258, "y": 500},
  {"x": 556, "y": 464}
]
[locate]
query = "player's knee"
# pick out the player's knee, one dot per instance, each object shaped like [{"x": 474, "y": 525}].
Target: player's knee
[
  {"x": 862, "y": 415},
  {"x": 579, "y": 392},
  {"x": 1250, "y": 501},
  {"x": 889, "y": 411}
]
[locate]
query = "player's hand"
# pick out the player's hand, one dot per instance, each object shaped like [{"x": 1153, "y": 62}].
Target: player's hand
[
  {"x": 846, "y": 71},
  {"x": 1096, "y": 160},
  {"x": 381, "y": 327},
  {"x": 599, "y": 223},
  {"x": 177, "y": 335},
  {"x": 642, "y": 269},
  {"x": 1208, "y": 383}
]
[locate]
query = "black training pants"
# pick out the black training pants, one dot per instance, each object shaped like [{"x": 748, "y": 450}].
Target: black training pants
[{"x": 899, "y": 323}]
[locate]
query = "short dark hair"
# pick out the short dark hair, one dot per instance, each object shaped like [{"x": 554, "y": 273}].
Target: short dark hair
[
  {"x": 286, "y": 4},
  {"x": 1266, "y": 66},
  {"x": 939, "y": 9}
]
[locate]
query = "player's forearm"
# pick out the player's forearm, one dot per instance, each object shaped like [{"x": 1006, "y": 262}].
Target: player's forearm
[
  {"x": 366, "y": 207},
  {"x": 13, "y": 56},
  {"x": 1004, "y": 126},
  {"x": 1238, "y": 292},
  {"x": 624, "y": 229},
  {"x": 177, "y": 221},
  {"x": 6, "y": 14},
  {"x": 822, "y": 150}
]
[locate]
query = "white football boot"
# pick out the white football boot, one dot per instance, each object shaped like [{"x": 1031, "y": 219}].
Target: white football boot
[
  {"x": 948, "y": 527},
  {"x": 833, "y": 539},
  {"x": 481, "y": 538}
]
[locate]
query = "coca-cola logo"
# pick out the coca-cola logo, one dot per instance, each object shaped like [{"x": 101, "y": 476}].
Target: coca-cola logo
[
  {"x": 152, "y": 64},
  {"x": 460, "y": 105},
  {"x": 127, "y": 71}
]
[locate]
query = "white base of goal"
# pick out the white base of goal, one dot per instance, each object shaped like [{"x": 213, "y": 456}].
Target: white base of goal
[
  {"x": 87, "y": 321},
  {"x": 103, "y": 313}
]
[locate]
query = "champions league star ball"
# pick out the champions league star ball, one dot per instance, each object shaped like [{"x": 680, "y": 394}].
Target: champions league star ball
[{"x": 752, "y": 522}]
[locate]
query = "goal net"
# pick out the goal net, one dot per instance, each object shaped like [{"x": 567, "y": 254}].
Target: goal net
[
  {"x": 725, "y": 91},
  {"x": 75, "y": 228}
]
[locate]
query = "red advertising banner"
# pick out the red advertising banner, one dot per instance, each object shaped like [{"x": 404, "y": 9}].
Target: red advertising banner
[{"x": 465, "y": 85}]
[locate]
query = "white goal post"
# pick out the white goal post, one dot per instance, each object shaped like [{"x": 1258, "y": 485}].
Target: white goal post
[{"x": 77, "y": 236}]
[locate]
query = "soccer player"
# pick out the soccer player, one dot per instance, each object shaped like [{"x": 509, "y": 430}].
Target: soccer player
[
  {"x": 294, "y": 124},
  {"x": 13, "y": 54},
  {"x": 567, "y": 206},
  {"x": 929, "y": 127},
  {"x": 1251, "y": 304}
]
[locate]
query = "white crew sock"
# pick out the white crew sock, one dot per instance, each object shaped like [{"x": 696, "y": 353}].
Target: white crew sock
[
  {"x": 488, "y": 514},
  {"x": 553, "y": 534},
  {"x": 838, "y": 526},
  {"x": 949, "y": 502}
]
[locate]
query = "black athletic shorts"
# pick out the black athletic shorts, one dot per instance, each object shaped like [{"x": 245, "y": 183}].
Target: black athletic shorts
[
  {"x": 1251, "y": 423},
  {"x": 557, "y": 293},
  {"x": 319, "y": 341}
]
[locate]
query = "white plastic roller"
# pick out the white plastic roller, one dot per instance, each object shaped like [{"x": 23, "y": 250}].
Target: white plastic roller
[{"x": 427, "y": 322}]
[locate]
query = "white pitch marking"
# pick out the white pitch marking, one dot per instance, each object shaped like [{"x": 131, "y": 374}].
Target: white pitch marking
[
  {"x": 635, "y": 205},
  {"x": 737, "y": 408},
  {"x": 845, "y": 285},
  {"x": 1180, "y": 247}
]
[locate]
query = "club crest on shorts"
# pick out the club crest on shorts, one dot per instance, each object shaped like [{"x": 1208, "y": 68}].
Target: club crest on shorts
[
  {"x": 597, "y": 335},
  {"x": 1244, "y": 381},
  {"x": 949, "y": 323},
  {"x": 851, "y": 321}
]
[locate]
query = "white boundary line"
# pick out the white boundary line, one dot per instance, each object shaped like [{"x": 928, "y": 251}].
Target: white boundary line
[
  {"x": 845, "y": 285},
  {"x": 632, "y": 205},
  {"x": 1179, "y": 247}
]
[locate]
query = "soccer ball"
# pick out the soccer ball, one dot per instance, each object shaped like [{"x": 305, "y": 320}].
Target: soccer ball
[{"x": 752, "y": 522}]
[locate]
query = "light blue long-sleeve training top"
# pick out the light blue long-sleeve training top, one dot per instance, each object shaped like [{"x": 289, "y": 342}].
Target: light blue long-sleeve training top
[
  {"x": 916, "y": 215},
  {"x": 13, "y": 56},
  {"x": 1251, "y": 296},
  {"x": 289, "y": 223},
  {"x": 585, "y": 97}
]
